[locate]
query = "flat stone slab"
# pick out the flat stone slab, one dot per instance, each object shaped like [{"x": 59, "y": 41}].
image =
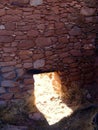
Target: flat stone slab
[{"x": 36, "y": 2}]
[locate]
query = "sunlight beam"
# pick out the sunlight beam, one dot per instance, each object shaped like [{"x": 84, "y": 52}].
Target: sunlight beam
[{"x": 47, "y": 91}]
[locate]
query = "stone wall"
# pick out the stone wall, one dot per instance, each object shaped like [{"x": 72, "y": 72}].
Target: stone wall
[
  {"x": 56, "y": 35},
  {"x": 96, "y": 43}
]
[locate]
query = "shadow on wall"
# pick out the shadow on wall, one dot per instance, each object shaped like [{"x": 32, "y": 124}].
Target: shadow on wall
[
  {"x": 72, "y": 98},
  {"x": 27, "y": 112},
  {"x": 96, "y": 40}
]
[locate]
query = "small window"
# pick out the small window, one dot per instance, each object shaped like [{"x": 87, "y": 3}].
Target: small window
[{"x": 47, "y": 92}]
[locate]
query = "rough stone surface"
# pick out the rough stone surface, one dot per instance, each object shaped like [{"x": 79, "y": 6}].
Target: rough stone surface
[
  {"x": 39, "y": 63},
  {"x": 2, "y": 90},
  {"x": 19, "y": 3},
  {"x": 26, "y": 44},
  {"x": 75, "y": 31},
  {"x": 2, "y": 27},
  {"x": 6, "y": 39},
  {"x": 42, "y": 41},
  {"x": 9, "y": 75},
  {"x": 87, "y": 11},
  {"x": 7, "y": 83},
  {"x": 36, "y": 2},
  {"x": 3, "y": 103},
  {"x": 46, "y": 35}
]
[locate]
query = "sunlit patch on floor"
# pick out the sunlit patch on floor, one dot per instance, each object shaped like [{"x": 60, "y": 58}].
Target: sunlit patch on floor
[{"x": 47, "y": 93}]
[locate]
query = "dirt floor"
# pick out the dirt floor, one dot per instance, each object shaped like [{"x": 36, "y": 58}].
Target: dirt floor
[{"x": 53, "y": 113}]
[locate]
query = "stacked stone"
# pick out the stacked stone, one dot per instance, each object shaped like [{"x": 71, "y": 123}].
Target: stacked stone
[
  {"x": 48, "y": 35},
  {"x": 96, "y": 43}
]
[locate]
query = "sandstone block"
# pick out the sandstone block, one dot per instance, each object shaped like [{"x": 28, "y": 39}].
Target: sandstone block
[
  {"x": 14, "y": 90},
  {"x": 10, "y": 26},
  {"x": 6, "y": 96},
  {"x": 43, "y": 41},
  {"x": 26, "y": 44},
  {"x": 76, "y": 52},
  {"x": 6, "y": 39},
  {"x": 38, "y": 56},
  {"x": 16, "y": 11},
  {"x": 25, "y": 52},
  {"x": 39, "y": 63},
  {"x": 20, "y": 95},
  {"x": 2, "y": 27},
  {"x": 2, "y": 90},
  {"x": 7, "y": 69},
  {"x": 32, "y": 33},
  {"x": 8, "y": 83},
  {"x": 63, "y": 39},
  {"x": 28, "y": 87},
  {"x": 59, "y": 25},
  {"x": 9, "y": 75},
  {"x": 49, "y": 33},
  {"x": 11, "y": 18},
  {"x": 5, "y": 64},
  {"x": 36, "y": 2},
  {"x": 29, "y": 81},
  {"x": 27, "y": 65},
  {"x": 75, "y": 31},
  {"x": 22, "y": 1},
  {"x": 19, "y": 72},
  {"x": 41, "y": 26},
  {"x": 86, "y": 11},
  {"x": 68, "y": 60},
  {"x": 7, "y": 49},
  {"x": 3, "y": 103},
  {"x": 2, "y": 12}
]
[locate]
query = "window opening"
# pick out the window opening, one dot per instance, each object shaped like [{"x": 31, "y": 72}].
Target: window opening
[{"x": 47, "y": 92}]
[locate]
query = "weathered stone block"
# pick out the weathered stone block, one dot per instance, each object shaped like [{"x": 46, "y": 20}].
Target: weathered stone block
[
  {"x": 27, "y": 65},
  {"x": 2, "y": 12},
  {"x": 9, "y": 49},
  {"x": 10, "y": 26},
  {"x": 26, "y": 44},
  {"x": 2, "y": 90},
  {"x": 14, "y": 89},
  {"x": 28, "y": 87},
  {"x": 7, "y": 69},
  {"x": 20, "y": 72},
  {"x": 8, "y": 83},
  {"x": 36, "y": 2},
  {"x": 32, "y": 33},
  {"x": 76, "y": 52},
  {"x": 2, "y": 27},
  {"x": 43, "y": 41},
  {"x": 86, "y": 11},
  {"x": 39, "y": 63},
  {"x": 5, "y": 64},
  {"x": 3, "y": 104},
  {"x": 28, "y": 81},
  {"x": 11, "y": 18},
  {"x": 63, "y": 40},
  {"x": 75, "y": 31},
  {"x": 6, "y": 96},
  {"x": 6, "y": 39},
  {"x": 20, "y": 2},
  {"x": 9, "y": 75}
]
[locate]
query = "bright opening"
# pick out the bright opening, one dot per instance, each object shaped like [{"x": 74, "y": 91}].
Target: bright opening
[{"x": 48, "y": 97}]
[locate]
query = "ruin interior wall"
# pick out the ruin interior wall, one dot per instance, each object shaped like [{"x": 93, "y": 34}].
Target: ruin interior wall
[{"x": 47, "y": 35}]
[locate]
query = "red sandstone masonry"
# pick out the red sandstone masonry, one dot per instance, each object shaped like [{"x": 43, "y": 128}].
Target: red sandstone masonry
[{"x": 46, "y": 35}]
